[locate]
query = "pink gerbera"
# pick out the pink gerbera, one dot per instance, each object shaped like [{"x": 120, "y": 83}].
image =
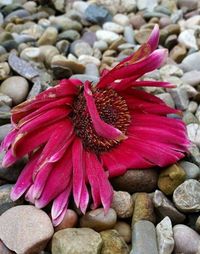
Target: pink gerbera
[{"x": 78, "y": 134}]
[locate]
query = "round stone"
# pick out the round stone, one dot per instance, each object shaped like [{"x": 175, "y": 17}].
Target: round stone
[
  {"x": 124, "y": 230},
  {"x": 192, "y": 170},
  {"x": 122, "y": 203},
  {"x": 25, "y": 229},
  {"x": 76, "y": 241},
  {"x": 106, "y": 36},
  {"x": 69, "y": 221},
  {"x": 186, "y": 197},
  {"x": 4, "y": 70},
  {"x": 99, "y": 220},
  {"x": 113, "y": 27},
  {"x": 15, "y": 87},
  {"x": 49, "y": 36},
  {"x": 186, "y": 240},
  {"x": 81, "y": 48}
]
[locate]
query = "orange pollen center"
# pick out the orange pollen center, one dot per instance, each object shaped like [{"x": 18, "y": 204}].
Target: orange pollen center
[{"x": 112, "y": 109}]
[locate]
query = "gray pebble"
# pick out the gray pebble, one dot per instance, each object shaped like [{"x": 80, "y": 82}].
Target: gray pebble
[{"x": 192, "y": 170}]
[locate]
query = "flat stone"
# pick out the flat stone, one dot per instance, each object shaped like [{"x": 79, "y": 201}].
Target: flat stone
[
  {"x": 167, "y": 98},
  {"x": 63, "y": 23},
  {"x": 124, "y": 230},
  {"x": 192, "y": 170},
  {"x": 99, "y": 220},
  {"x": 165, "y": 236},
  {"x": 180, "y": 97},
  {"x": 193, "y": 131},
  {"x": 164, "y": 207},
  {"x": 97, "y": 14},
  {"x": 76, "y": 241},
  {"x": 144, "y": 238},
  {"x": 25, "y": 229},
  {"x": 136, "y": 180},
  {"x": 143, "y": 208},
  {"x": 186, "y": 240},
  {"x": 113, "y": 243},
  {"x": 80, "y": 47},
  {"x": 49, "y": 36},
  {"x": 186, "y": 197},
  {"x": 31, "y": 54},
  {"x": 187, "y": 38},
  {"x": 170, "y": 178},
  {"x": 192, "y": 77},
  {"x": 106, "y": 36},
  {"x": 113, "y": 27},
  {"x": 191, "y": 62},
  {"x": 122, "y": 203},
  {"x": 85, "y": 59},
  {"x": 121, "y": 19},
  {"x": 70, "y": 35},
  {"x": 15, "y": 87},
  {"x": 170, "y": 70}
]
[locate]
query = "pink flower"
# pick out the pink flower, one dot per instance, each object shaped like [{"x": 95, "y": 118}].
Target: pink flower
[{"x": 79, "y": 134}]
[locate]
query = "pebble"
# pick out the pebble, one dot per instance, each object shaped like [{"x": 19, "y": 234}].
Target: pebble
[
  {"x": 191, "y": 62},
  {"x": 5, "y": 99},
  {"x": 80, "y": 6},
  {"x": 189, "y": 118},
  {"x": 4, "y": 70},
  {"x": 5, "y": 201},
  {"x": 49, "y": 37},
  {"x": 64, "y": 23},
  {"x": 48, "y": 52},
  {"x": 101, "y": 45},
  {"x": 192, "y": 107},
  {"x": 4, "y": 130},
  {"x": 97, "y": 14},
  {"x": 193, "y": 131},
  {"x": 121, "y": 19},
  {"x": 122, "y": 203},
  {"x": 192, "y": 77},
  {"x": 85, "y": 59},
  {"x": 194, "y": 154},
  {"x": 169, "y": 70},
  {"x": 113, "y": 27},
  {"x": 70, "y": 220},
  {"x": 170, "y": 178},
  {"x": 15, "y": 87},
  {"x": 144, "y": 238},
  {"x": 113, "y": 243},
  {"x": 180, "y": 97},
  {"x": 80, "y": 47},
  {"x": 31, "y": 54},
  {"x": 129, "y": 34},
  {"x": 25, "y": 229},
  {"x": 124, "y": 230},
  {"x": 197, "y": 224},
  {"x": 186, "y": 197},
  {"x": 164, "y": 207},
  {"x": 98, "y": 220},
  {"x": 136, "y": 180},
  {"x": 4, "y": 249},
  {"x": 167, "y": 98},
  {"x": 187, "y": 38},
  {"x": 91, "y": 69},
  {"x": 76, "y": 241},
  {"x": 106, "y": 36},
  {"x": 70, "y": 35},
  {"x": 186, "y": 240},
  {"x": 178, "y": 53},
  {"x": 189, "y": 5},
  {"x": 165, "y": 236},
  {"x": 137, "y": 21},
  {"x": 192, "y": 170},
  {"x": 143, "y": 208}
]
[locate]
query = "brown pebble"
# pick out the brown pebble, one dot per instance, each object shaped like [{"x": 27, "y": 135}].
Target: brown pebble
[{"x": 69, "y": 221}]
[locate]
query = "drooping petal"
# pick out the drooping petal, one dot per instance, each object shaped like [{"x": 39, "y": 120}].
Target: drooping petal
[
  {"x": 25, "y": 179},
  {"x": 80, "y": 192},
  {"x": 6, "y": 143},
  {"x": 137, "y": 69},
  {"x": 100, "y": 186},
  {"x": 102, "y": 128},
  {"x": 8, "y": 159},
  {"x": 60, "y": 204},
  {"x": 58, "y": 180}
]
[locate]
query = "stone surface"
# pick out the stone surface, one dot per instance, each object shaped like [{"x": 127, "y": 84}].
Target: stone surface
[
  {"x": 122, "y": 203},
  {"x": 191, "y": 62},
  {"x": 144, "y": 238},
  {"x": 106, "y": 36},
  {"x": 4, "y": 70},
  {"x": 76, "y": 241},
  {"x": 164, "y": 207},
  {"x": 165, "y": 236},
  {"x": 15, "y": 87},
  {"x": 143, "y": 208},
  {"x": 97, "y": 14},
  {"x": 186, "y": 240},
  {"x": 49, "y": 36},
  {"x": 113, "y": 243},
  {"x": 136, "y": 180},
  {"x": 98, "y": 220},
  {"x": 193, "y": 131},
  {"x": 192, "y": 170},
  {"x": 180, "y": 97},
  {"x": 4, "y": 249},
  {"x": 124, "y": 230},
  {"x": 186, "y": 197},
  {"x": 4, "y": 130},
  {"x": 192, "y": 77},
  {"x": 25, "y": 229},
  {"x": 70, "y": 220},
  {"x": 187, "y": 38},
  {"x": 170, "y": 178}
]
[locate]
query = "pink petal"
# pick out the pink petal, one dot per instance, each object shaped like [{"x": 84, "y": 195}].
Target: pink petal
[
  {"x": 148, "y": 64},
  {"x": 6, "y": 143},
  {"x": 57, "y": 181},
  {"x": 59, "y": 207},
  {"x": 29, "y": 195},
  {"x": 100, "y": 186},
  {"x": 25, "y": 179},
  {"x": 8, "y": 159},
  {"x": 154, "y": 38},
  {"x": 80, "y": 192},
  {"x": 102, "y": 128}
]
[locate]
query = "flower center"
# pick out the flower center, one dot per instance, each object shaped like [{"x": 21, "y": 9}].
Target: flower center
[{"x": 112, "y": 109}]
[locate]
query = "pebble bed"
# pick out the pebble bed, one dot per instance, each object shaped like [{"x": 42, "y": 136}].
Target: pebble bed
[{"x": 154, "y": 211}]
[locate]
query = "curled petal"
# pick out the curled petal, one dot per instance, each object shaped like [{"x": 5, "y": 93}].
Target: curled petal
[
  {"x": 154, "y": 38},
  {"x": 102, "y": 128}
]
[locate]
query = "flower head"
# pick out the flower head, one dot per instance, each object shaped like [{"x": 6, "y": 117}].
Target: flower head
[{"x": 78, "y": 135}]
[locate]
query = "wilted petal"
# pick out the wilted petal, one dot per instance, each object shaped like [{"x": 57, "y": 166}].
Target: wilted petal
[
  {"x": 100, "y": 186},
  {"x": 102, "y": 128}
]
